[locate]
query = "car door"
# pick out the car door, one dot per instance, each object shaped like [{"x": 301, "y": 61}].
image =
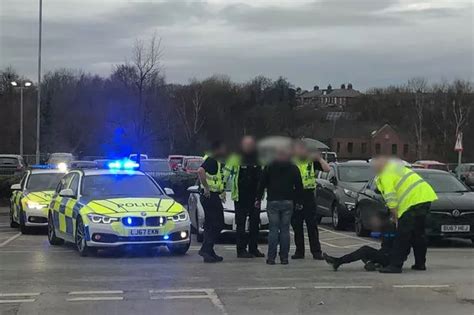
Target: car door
[
  {"x": 371, "y": 205},
  {"x": 324, "y": 193},
  {"x": 61, "y": 208}
]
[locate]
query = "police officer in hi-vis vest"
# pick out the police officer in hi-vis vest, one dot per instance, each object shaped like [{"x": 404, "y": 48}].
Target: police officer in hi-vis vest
[
  {"x": 309, "y": 166},
  {"x": 211, "y": 176}
]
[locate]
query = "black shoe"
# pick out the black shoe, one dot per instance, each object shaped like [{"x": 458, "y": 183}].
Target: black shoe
[
  {"x": 297, "y": 256},
  {"x": 217, "y": 257},
  {"x": 270, "y": 262},
  {"x": 208, "y": 258},
  {"x": 257, "y": 253},
  {"x": 284, "y": 261},
  {"x": 331, "y": 261},
  {"x": 245, "y": 254},
  {"x": 318, "y": 256},
  {"x": 370, "y": 266},
  {"x": 390, "y": 269},
  {"x": 418, "y": 267}
]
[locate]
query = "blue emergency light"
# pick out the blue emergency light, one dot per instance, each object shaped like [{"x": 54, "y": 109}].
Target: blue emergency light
[{"x": 123, "y": 165}]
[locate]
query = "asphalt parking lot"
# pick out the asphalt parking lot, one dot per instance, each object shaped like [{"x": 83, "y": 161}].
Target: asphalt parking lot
[{"x": 36, "y": 278}]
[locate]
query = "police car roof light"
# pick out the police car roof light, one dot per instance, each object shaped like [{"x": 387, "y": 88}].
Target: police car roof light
[{"x": 123, "y": 164}]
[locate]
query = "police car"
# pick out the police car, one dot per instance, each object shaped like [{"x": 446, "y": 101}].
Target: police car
[
  {"x": 100, "y": 208},
  {"x": 31, "y": 197}
]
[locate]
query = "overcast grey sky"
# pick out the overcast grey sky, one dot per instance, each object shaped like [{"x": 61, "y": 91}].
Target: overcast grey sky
[{"x": 366, "y": 42}]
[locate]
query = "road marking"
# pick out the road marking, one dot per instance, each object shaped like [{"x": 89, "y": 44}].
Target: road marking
[
  {"x": 19, "y": 294},
  {"x": 348, "y": 287},
  {"x": 11, "y": 239},
  {"x": 96, "y": 298},
  {"x": 209, "y": 294},
  {"x": 266, "y": 288},
  {"x": 17, "y": 301},
  {"x": 348, "y": 236},
  {"x": 95, "y": 292},
  {"x": 429, "y": 286}
]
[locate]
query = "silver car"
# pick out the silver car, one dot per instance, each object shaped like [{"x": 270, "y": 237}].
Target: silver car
[{"x": 196, "y": 213}]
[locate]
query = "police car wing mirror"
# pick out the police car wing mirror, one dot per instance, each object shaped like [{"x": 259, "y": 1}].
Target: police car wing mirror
[
  {"x": 169, "y": 191},
  {"x": 15, "y": 187},
  {"x": 68, "y": 193},
  {"x": 193, "y": 189},
  {"x": 377, "y": 191}
]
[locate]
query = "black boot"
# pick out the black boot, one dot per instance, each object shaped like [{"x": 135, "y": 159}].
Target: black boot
[
  {"x": 297, "y": 256},
  {"x": 244, "y": 254},
  {"x": 391, "y": 269},
  {"x": 257, "y": 253},
  {"x": 208, "y": 258},
  {"x": 418, "y": 267},
  {"x": 332, "y": 261},
  {"x": 318, "y": 256}
]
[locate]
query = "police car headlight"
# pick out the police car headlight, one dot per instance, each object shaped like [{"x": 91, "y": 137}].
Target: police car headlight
[
  {"x": 180, "y": 217},
  {"x": 101, "y": 219},
  {"x": 351, "y": 193},
  {"x": 34, "y": 205}
]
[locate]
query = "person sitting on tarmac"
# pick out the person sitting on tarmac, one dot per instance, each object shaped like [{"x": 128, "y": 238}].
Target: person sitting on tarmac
[{"x": 373, "y": 259}]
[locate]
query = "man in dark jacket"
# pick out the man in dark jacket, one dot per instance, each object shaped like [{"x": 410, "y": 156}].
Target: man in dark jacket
[
  {"x": 282, "y": 180},
  {"x": 244, "y": 171}
]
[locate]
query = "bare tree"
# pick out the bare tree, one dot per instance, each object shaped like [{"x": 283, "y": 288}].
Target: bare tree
[
  {"x": 461, "y": 104},
  {"x": 190, "y": 111},
  {"x": 418, "y": 86}
]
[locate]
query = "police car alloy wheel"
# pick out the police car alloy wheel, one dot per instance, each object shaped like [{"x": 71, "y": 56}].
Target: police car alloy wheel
[
  {"x": 13, "y": 224},
  {"x": 52, "y": 238},
  {"x": 80, "y": 239}
]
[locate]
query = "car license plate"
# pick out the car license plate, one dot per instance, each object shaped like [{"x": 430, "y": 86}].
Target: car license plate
[
  {"x": 455, "y": 228},
  {"x": 144, "y": 232}
]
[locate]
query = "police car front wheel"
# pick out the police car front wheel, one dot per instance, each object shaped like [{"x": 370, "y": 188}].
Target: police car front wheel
[
  {"x": 80, "y": 239},
  {"x": 52, "y": 238}
]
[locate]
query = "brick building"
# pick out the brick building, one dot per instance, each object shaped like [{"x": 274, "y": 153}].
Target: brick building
[
  {"x": 328, "y": 97},
  {"x": 361, "y": 141}
]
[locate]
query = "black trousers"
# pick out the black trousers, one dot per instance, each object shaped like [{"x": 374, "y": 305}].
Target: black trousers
[
  {"x": 366, "y": 253},
  {"x": 214, "y": 221},
  {"x": 243, "y": 209},
  {"x": 411, "y": 234},
  {"x": 308, "y": 215}
]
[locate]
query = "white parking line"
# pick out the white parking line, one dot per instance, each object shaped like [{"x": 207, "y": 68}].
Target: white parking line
[
  {"x": 346, "y": 287},
  {"x": 95, "y": 292},
  {"x": 208, "y": 294},
  {"x": 96, "y": 298},
  {"x": 266, "y": 288},
  {"x": 11, "y": 239},
  {"x": 346, "y": 235},
  {"x": 428, "y": 286},
  {"x": 17, "y": 301},
  {"x": 19, "y": 294}
]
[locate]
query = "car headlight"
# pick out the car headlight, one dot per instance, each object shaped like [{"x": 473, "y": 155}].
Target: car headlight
[
  {"x": 351, "y": 193},
  {"x": 34, "y": 205},
  {"x": 102, "y": 219},
  {"x": 180, "y": 217}
]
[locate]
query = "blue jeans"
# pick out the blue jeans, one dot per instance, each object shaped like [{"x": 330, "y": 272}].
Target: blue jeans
[{"x": 279, "y": 217}]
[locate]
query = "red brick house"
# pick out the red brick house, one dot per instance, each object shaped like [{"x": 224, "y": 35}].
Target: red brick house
[{"x": 362, "y": 142}]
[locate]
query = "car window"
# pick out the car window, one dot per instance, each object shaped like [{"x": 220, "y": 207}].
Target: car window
[
  {"x": 355, "y": 173},
  {"x": 119, "y": 185},
  {"x": 74, "y": 183},
  {"x": 9, "y": 161},
  {"x": 443, "y": 182},
  {"x": 64, "y": 182},
  {"x": 43, "y": 181}
]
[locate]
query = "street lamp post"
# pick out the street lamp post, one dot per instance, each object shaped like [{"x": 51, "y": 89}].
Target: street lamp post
[
  {"x": 38, "y": 96},
  {"x": 21, "y": 87}
]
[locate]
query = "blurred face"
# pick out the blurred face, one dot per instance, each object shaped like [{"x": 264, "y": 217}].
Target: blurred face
[
  {"x": 379, "y": 163},
  {"x": 300, "y": 150},
  {"x": 283, "y": 154},
  {"x": 248, "y": 144}
]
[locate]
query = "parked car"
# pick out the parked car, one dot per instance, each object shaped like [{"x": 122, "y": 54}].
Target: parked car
[
  {"x": 336, "y": 191},
  {"x": 176, "y": 161},
  {"x": 11, "y": 164},
  {"x": 434, "y": 165},
  {"x": 191, "y": 164},
  {"x": 60, "y": 160},
  {"x": 134, "y": 157},
  {"x": 329, "y": 156},
  {"x": 156, "y": 167},
  {"x": 452, "y": 215},
  {"x": 196, "y": 213},
  {"x": 466, "y": 173}
]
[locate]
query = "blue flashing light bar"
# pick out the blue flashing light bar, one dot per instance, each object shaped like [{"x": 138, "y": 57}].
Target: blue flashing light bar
[{"x": 123, "y": 165}]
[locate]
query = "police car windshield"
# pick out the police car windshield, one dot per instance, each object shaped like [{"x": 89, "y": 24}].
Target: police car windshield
[
  {"x": 355, "y": 173},
  {"x": 443, "y": 182},
  {"x": 115, "y": 185},
  {"x": 43, "y": 182}
]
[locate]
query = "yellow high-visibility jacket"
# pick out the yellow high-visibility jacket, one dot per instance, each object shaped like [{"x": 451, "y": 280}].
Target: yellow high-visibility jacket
[{"x": 402, "y": 188}]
